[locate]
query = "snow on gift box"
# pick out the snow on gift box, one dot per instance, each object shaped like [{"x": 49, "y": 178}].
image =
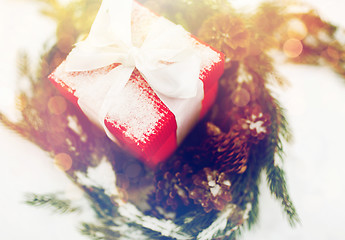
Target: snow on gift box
[{"x": 145, "y": 80}]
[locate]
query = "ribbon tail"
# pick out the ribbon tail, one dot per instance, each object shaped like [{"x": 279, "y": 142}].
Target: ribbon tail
[
  {"x": 86, "y": 57},
  {"x": 112, "y": 24},
  {"x": 109, "y": 38},
  {"x": 119, "y": 76}
]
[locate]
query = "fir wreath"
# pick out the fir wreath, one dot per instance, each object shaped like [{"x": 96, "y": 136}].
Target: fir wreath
[{"x": 209, "y": 188}]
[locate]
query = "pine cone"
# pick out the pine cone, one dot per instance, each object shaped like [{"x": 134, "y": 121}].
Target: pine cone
[
  {"x": 227, "y": 34},
  {"x": 211, "y": 189},
  {"x": 232, "y": 153},
  {"x": 171, "y": 185},
  {"x": 254, "y": 125},
  {"x": 229, "y": 150}
]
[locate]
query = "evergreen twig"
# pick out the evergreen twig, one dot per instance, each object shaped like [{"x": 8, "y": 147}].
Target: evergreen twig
[
  {"x": 277, "y": 185},
  {"x": 99, "y": 232},
  {"x": 52, "y": 201},
  {"x": 275, "y": 175}
]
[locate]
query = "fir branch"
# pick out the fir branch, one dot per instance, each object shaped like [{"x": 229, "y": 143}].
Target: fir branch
[
  {"x": 23, "y": 66},
  {"x": 52, "y": 8},
  {"x": 96, "y": 232},
  {"x": 114, "y": 212},
  {"x": 252, "y": 178},
  {"x": 218, "y": 226},
  {"x": 274, "y": 148},
  {"x": 102, "y": 204},
  {"x": 254, "y": 212},
  {"x": 165, "y": 227},
  {"x": 226, "y": 224},
  {"x": 277, "y": 185},
  {"x": 195, "y": 221},
  {"x": 20, "y": 128},
  {"x": 147, "y": 233},
  {"x": 52, "y": 201}
]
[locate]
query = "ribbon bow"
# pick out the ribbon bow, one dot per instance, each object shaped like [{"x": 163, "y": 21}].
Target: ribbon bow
[{"x": 165, "y": 58}]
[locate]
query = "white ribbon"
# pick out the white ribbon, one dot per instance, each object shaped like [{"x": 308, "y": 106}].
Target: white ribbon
[{"x": 165, "y": 59}]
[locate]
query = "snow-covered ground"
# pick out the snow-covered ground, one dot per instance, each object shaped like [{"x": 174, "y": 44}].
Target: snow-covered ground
[{"x": 314, "y": 162}]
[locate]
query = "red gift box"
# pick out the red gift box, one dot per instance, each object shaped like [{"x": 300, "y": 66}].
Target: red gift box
[{"x": 139, "y": 120}]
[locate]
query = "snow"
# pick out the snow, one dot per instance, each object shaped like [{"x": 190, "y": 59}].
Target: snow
[
  {"x": 133, "y": 99},
  {"x": 314, "y": 162},
  {"x": 101, "y": 176},
  {"x": 257, "y": 125},
  {"x": 215, "y": 190}
]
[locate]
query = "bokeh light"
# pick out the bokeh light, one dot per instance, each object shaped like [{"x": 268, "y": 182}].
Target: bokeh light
[
  {"x": 133, "y": 170},
  {"x": 293, "y": 48},
  {"x": 297, "y": 29},
  {"x": 240, "y": 97},
  {"x": 63, "y": 161},
  {"x": 57, "y": 105}
]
